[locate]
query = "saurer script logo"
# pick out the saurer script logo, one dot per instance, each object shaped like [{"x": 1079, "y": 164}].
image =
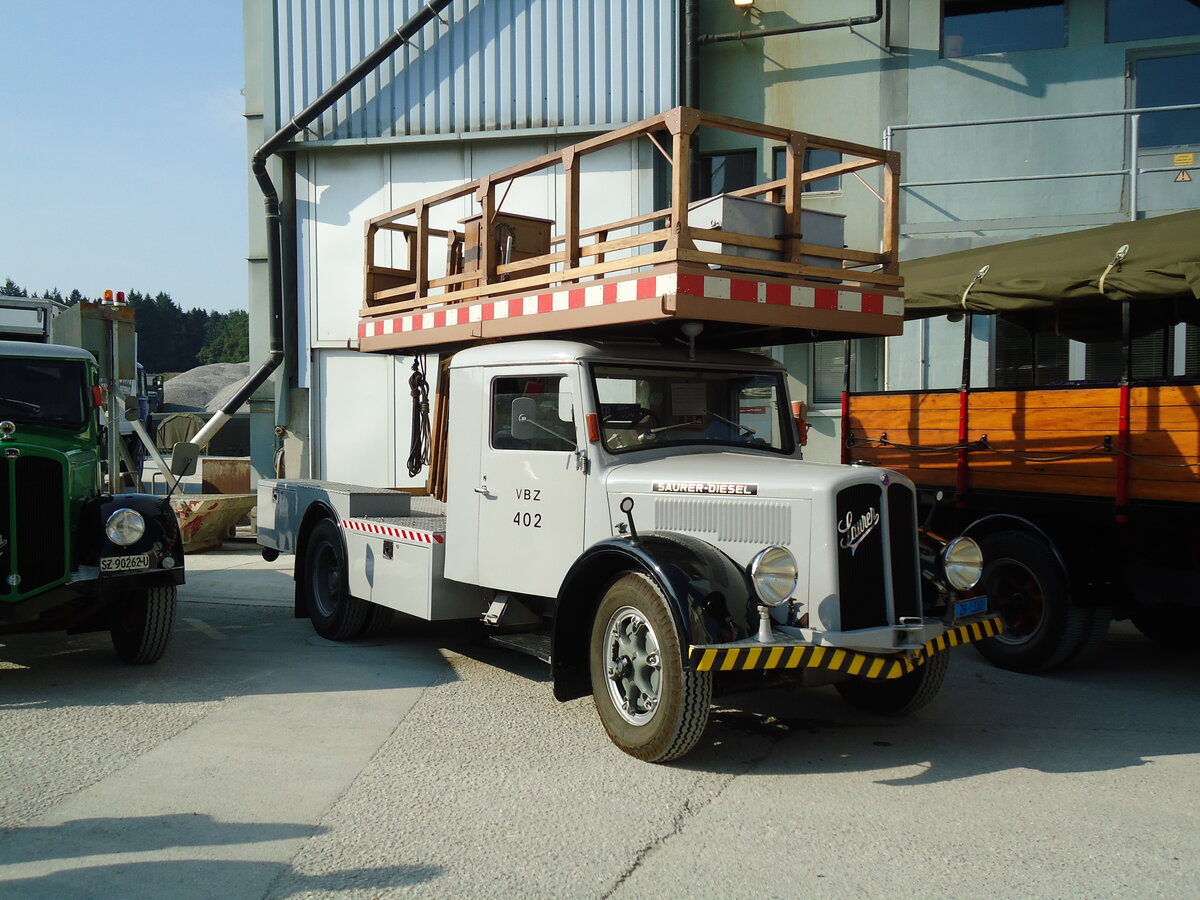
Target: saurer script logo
[{"x": 854, "y": 531}]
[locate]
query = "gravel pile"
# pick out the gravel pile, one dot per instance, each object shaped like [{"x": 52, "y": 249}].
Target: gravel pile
[{"x": 204, "y": 388}]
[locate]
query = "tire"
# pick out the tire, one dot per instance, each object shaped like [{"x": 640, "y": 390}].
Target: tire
[
  {"x": 1170, "y": 626},
  {"x": 1025, "y": 584},
  {"x": 1095, "y": 633},
  {"x": 651, "y": 706},
  {"x": 335, "y": 614},
  {"x": 141, "y": 624},
  {"x": 379, "y": 619},
  {"x": 897, "y": 696}
]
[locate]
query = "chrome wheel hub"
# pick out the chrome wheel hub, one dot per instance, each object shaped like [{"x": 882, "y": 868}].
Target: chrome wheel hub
[{"x": 633, "y": 665}]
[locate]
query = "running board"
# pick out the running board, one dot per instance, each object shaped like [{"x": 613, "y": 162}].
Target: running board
[{"x": 530, "y": 644}]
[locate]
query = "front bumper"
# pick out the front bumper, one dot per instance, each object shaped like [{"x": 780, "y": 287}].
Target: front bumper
[{"x": 752, "y": 655}]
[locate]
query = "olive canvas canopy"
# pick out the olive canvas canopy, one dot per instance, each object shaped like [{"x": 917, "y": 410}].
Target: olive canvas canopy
[{"x": 1072, "y": 283}]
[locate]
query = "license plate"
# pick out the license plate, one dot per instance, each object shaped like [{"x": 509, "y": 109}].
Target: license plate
[
  {"x": 964, "y": 608},
  {"x": 125, "y": 563}
]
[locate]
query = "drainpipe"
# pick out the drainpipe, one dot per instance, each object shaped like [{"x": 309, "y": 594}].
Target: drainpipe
[
  {"x": 794, "y": 29},
  {"x": 258, "y": 165}
]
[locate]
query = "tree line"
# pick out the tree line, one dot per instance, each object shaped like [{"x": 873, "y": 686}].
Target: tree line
[{"x": 170, "y": 339}]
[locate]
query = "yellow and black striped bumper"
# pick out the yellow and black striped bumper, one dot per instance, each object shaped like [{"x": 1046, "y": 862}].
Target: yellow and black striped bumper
[{"x": 750, "y": 657}]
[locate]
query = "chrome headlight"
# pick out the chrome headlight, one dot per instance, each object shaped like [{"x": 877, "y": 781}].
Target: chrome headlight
[
  {"x": 962, "y": 561},
  {"x": 125, "y": 526},
  {"x": 774, "y": 575}
]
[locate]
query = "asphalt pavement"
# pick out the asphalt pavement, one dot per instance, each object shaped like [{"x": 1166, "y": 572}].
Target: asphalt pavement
[{"x": 257, "y": 760}]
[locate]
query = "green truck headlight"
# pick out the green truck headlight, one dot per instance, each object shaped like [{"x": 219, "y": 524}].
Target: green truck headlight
[
  {"x": 774, "y": 575},
  {"x": 125, "y": 526}
]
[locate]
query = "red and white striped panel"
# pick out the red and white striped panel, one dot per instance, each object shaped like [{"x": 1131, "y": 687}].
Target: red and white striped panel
[
  {"x": 391, "y": 531},
  {"x": 720, "y": 287}
]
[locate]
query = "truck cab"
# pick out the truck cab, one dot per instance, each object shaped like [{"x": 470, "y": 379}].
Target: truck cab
[
  {"x": 73, "y": 557},
  {"x": 558, "y": 434}
]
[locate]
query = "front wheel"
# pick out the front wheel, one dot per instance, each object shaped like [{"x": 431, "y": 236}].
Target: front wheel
[
  {"x": 652, "y": 707},
  {"x": 141, "y": 624},
  {"x": 897, "y": 696},
  {"x": 334, "y": 613}
]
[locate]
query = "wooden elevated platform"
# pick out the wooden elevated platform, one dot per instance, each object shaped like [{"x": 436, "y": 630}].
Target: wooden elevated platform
[{"x": 743, "y": 263}]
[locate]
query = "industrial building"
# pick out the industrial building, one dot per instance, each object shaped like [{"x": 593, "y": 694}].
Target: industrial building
[{"x": 1014, "y": 120}]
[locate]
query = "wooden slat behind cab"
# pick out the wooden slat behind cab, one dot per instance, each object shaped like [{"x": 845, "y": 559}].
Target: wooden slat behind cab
[{"x": 1044, "y": 424}]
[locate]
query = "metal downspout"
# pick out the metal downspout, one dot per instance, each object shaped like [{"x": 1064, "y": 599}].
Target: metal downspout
[
  {"x": 258, "y": 166},
  {"x": 794, "y": 29}
]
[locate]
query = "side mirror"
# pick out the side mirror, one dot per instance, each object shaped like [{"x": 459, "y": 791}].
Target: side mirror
[
  {"x": 184, "y": 456},
  {"x": 524, "y": 409},
  {"x": 131, "y": 408}
]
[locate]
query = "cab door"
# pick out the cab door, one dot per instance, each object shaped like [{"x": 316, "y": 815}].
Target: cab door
[{"x": 532, "y": 476}]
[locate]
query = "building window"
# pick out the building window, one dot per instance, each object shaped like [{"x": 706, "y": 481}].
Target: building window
[
  {"x": 1139, "y": 20},
  {"x": 1168, "y": 81},
  {"x": 733, "y": 170},
  {"x": 829, "y": 369},
  {"x": 1028, "y": 359},
  {"x": 973, "y": 27},
  {"x": 1153, "y": 357},
  {"x": 813, "y": 159}
]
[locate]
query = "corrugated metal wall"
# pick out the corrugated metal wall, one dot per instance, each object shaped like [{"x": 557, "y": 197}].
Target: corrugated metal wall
[{"x": 499, "y": 65}]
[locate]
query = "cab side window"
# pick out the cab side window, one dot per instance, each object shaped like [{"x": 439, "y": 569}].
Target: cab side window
[{"x": 533, "y": 412}]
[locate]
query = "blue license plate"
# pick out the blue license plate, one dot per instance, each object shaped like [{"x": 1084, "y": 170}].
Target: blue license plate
[{"x": 974, "y": 606}]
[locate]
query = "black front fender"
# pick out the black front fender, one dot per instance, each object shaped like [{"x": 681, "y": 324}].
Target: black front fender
[
  {"x": 709, "y": 595},
  {"x": 161, "y": 538}
]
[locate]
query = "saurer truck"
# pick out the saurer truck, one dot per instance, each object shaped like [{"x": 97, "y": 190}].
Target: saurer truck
[
  {"x": 612, "y": 486},
  {"x": 79, "y": 553}
]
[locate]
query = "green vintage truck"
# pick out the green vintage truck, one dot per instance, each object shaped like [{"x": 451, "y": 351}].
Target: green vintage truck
[{"x": 74, "y": 557}]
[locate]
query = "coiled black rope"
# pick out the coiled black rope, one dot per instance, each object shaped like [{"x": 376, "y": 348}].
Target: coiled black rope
[{"x": 418, "y": 455}]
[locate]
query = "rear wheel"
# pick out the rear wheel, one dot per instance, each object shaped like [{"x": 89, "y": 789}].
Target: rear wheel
[
  {"x": 897, "y": 696},
  {"x": 652, "y": 707},
  {"x": 141, "y": 624},
  {"x": 335, "y": 614},
  {"x": 1025, "y": 584}
]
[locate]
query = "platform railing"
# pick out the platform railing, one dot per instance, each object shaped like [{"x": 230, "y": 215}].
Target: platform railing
[{"x": 657, "y": 237}]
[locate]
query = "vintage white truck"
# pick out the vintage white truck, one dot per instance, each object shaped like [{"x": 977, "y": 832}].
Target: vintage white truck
[
  {"x": 611, "y": 485},
  {"x": 644, "y": 522}
]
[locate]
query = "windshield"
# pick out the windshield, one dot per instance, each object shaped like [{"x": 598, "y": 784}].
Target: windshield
[
  {"x": 44, "y": 391},
  {"x": 648, "y": 406}
]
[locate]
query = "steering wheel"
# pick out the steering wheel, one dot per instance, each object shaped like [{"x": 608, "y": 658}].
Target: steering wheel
[{"x": 636, "y": 415}]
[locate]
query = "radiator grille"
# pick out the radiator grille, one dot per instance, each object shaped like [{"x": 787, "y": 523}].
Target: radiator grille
[
  {"x": 878, "y": 576},
  {"x": 734, "y": 521},
  {"x": 31, "y": 488},
  {"x": 861, "y": 546}
]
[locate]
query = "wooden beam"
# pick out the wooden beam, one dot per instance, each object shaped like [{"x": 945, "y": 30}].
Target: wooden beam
[
  {"x": 571, "y": 236},
  {"x": 420, "y": 260},
  {"x": 681, "y": 185},
  {"x": 891, "y": 214}
]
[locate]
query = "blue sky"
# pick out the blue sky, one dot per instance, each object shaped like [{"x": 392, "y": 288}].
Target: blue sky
[{"x": 123, "y": 156}]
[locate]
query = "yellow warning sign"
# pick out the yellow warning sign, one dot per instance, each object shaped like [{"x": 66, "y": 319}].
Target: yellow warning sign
[
  {"x": 1184, "y": 159},
  {"x": 1182, "y": 177}
]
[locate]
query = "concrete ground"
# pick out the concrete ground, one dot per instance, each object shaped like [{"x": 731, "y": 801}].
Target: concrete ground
[{"x": 259, "y": 761}]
